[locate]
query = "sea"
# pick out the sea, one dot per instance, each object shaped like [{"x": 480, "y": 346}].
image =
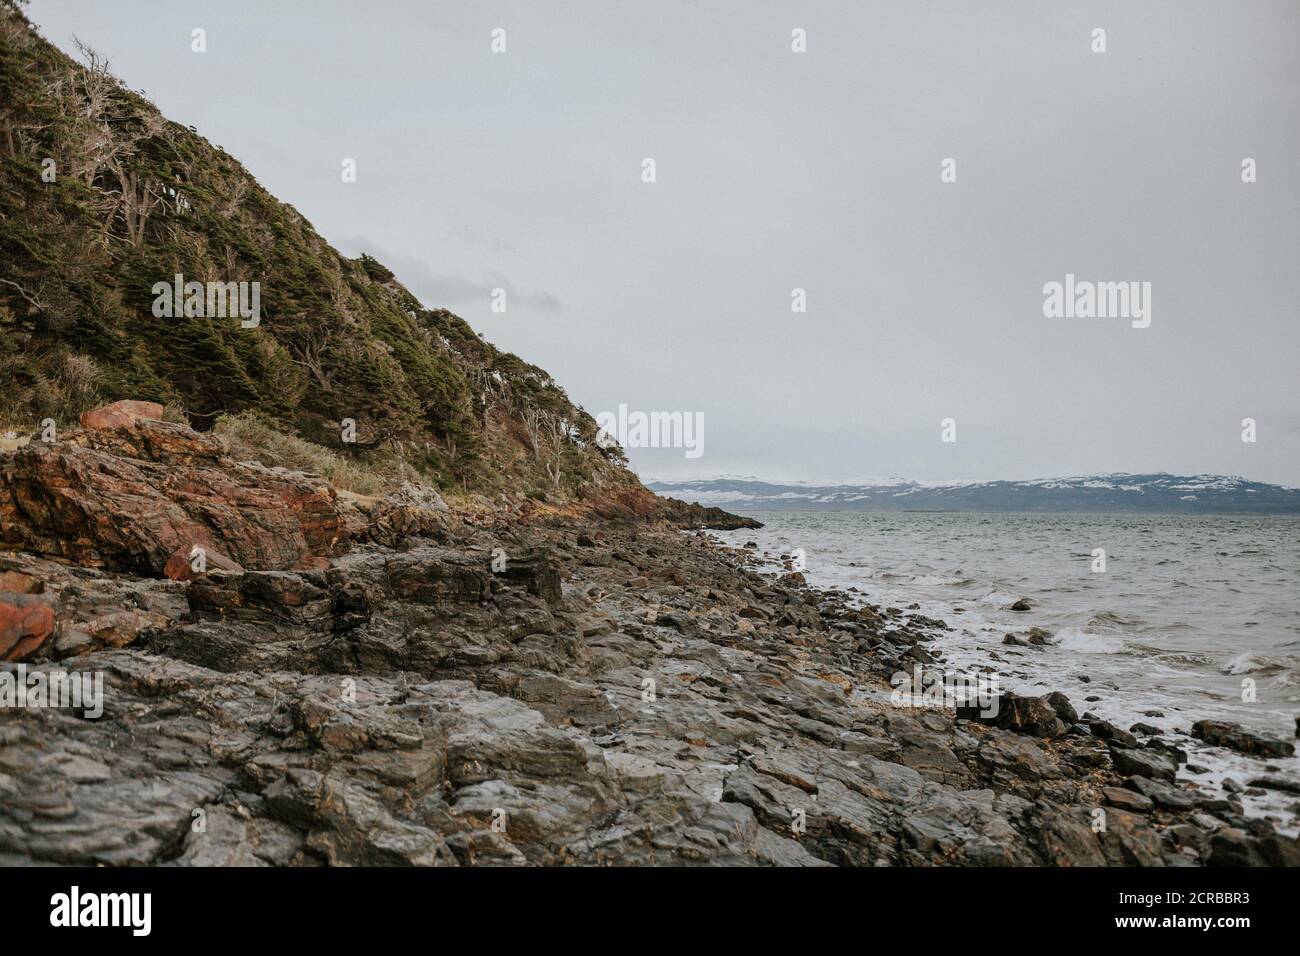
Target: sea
[{"x": 1192, "y": 617}]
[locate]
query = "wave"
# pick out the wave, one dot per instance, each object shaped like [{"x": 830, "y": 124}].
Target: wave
[
  {"x": 1113, "y": 620},
  {"x": 1085, "y": 642},
  {"x": 1251, "y": 663}
]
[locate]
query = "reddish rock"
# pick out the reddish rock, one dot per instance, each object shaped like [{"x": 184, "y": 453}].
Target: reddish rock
[
  {"x": 25, "y": 622},
  {"x": 120, "y": 414},
  {"x": 16, "y": 582},
  {"x": 180, "y": 566},
  {"x": 128, "y": 498}
]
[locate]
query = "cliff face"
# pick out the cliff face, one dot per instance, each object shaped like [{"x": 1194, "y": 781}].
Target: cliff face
[{"x": 102, "y": 198}]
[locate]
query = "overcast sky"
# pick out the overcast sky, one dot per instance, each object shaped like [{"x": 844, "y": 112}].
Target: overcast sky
[{"x": 818, "y": 170}]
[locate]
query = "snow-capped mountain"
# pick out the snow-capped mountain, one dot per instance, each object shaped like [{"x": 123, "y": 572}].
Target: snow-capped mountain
[{"x": 1152, "y": 493}]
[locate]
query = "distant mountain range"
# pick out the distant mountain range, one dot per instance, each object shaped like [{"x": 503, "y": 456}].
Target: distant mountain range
[{"x": 1149, "y": 494}]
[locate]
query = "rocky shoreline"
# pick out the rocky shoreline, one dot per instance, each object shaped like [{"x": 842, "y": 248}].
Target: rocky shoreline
[{"x": 350, "y": 681}]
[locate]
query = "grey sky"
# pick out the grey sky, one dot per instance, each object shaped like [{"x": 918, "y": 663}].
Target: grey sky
[{"x": 817, "y": 170}]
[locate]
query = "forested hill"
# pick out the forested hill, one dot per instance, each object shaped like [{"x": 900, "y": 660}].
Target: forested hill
[{"x": 102, "y": 198}]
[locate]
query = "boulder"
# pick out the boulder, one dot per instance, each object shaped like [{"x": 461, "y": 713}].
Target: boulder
[
  {"x": 1026, "y": 715},
  {"x": 1064, "y": 709},
  {"x": 1143, "y": 763},
  {"x": 128, "y": 498},
  {"x": 120, "y": 414},
  {"x": 1108, "y": 731}
]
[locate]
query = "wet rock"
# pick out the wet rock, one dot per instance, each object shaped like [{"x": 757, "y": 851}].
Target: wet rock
[
  {"x": 1022, "y": 604},
  {"x": 1061, "y": 704},
  {"x": 1163, "y": 794},
  {"x": 1034, "y": 716},
  {"x": 1277, "y": 783},
  {"x": 1234, "y": 737},
  {"x": 1108, "y": 731},
  {"x": 1143, "y": 763}
]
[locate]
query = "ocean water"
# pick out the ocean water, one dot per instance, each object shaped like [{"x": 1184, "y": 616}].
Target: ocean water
[{"x": 1192, "y": 617}]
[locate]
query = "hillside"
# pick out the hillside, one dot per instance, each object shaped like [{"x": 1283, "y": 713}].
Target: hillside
[
  {"x": 1140, "y": 494},
  {"x": 102, "y": 198}
]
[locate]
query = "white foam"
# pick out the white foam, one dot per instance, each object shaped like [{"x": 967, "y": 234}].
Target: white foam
[{"x": 1086, "y": 642}]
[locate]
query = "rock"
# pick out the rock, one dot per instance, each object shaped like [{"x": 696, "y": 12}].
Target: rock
[
  {"x": 1234, "y": 737},
  {"x": 422, "y": 497},
  {"x": 394, "y": 701},
  {"x": 1027, "y": 715},
  {"x": 1061, "y": 704},
  {"x": 26, "y": 621},
  {"x": 120, "y": 414},
  {"x": 1127, "y": 799},
  {"x": 1146, "y": 729},
  {"x": 1108, "y": 731},
  {"x": 1021, "y": 605},
  {"x": 128, "y": 497},
  {"x": 1178, "y": 754},
  {"x": 538, "y": 573},
  {"x": 917, "y": 652},
  {"x": 1143, "y": 763},
  {"x": 1013, "y": 640},
  {"x": 1277, "y": 783},
  {"x": 181, "y": 565},
  {"x": 16, "y": 582},
  {"x": 1163, "y": 794},
  {"x": 1233, "y": 846}
]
